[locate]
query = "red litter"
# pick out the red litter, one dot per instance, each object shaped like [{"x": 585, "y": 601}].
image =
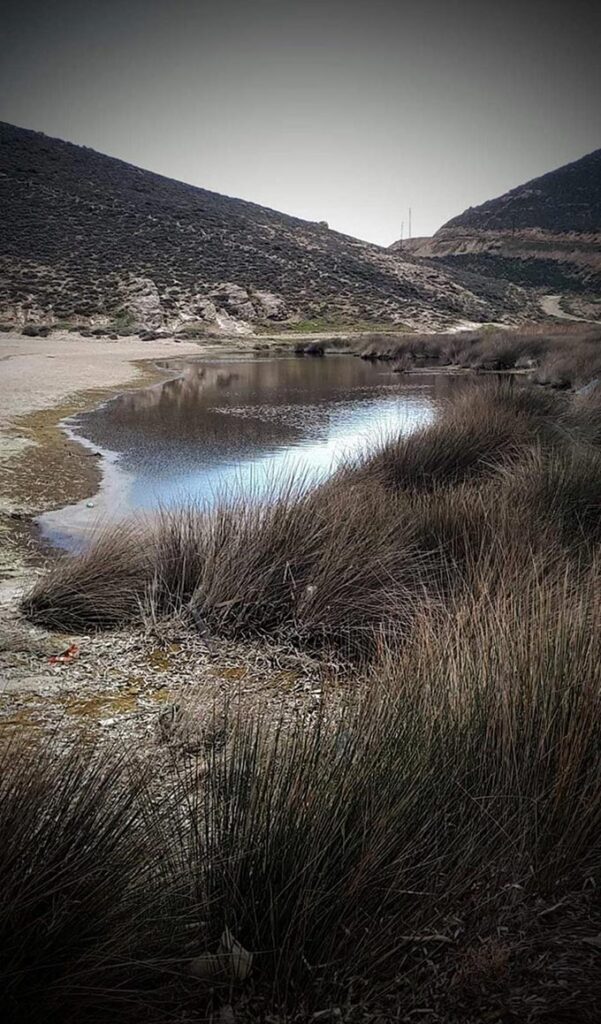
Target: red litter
[{"x": 71, "y": 652}]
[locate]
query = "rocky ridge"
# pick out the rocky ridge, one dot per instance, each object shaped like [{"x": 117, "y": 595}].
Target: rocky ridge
[{"x": 544, "y": 236}]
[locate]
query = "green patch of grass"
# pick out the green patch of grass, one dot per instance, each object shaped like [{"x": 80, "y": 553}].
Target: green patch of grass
[
  {"x": 65, "y": 325},
  {"x": 122, "y": 319}
]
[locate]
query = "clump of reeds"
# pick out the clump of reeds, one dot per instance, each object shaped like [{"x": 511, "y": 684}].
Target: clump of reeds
[
  {"x": 571, "y": 365},
  {"x": 98, "y": 588},
  {"x": 561, "y": 356},
  {"x": 505, "y": 468},
  {"x": 362, "y": 855},
  {"x": 482, "y": 428},
  {"x": 81, "y": 893}
]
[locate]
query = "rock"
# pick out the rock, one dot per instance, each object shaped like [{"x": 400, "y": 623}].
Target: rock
[
  {"x": 144, "y": 302},
  {"x": 270, "y": 305},
  {"x": 312, "y": 348},
  {"x": 35, "y": 331}
]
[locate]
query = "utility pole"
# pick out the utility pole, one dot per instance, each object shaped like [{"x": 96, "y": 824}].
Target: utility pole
[
  {"x": 409, "y": 222},
  {"x": 402, "y": 230}
]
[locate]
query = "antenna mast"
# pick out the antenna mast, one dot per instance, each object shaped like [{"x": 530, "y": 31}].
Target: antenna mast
[{"x": 409, "y": 222}]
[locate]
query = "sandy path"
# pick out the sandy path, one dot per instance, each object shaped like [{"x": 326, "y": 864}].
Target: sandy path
[
  {"x": 40, "y": 373},
  {"x": 550, "y": 304}
]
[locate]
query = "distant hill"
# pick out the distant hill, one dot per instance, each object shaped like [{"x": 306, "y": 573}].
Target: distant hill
[
  {"x": 565, "y": 200},
  {"x": 90, "y": 239},
  {"x": 544, "y": 235}
]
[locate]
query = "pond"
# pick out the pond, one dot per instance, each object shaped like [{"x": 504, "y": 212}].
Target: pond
[{"x": 237, "y": 426}]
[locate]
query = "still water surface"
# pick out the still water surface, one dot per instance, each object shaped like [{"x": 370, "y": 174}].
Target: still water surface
[{"x": 237, "y": 426}]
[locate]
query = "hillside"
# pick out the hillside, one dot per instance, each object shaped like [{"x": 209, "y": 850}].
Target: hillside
[
  {"x": 565, "y": 200},
  {"x": 544, "y": 235},
  {"x": 92, "y": 240}
]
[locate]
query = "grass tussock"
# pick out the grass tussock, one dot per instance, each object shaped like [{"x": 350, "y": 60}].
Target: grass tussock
[
  {"x": 429, "y": 837},
  {"x": 560, "y": 356},
  {"x": 75, "y": 864},
  {"x": 99, "y": 588}
]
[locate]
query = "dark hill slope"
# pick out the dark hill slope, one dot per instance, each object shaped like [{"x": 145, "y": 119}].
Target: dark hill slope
[
  {"x": 565, "y": 200},
  {"x": 544, "y": 235},
  {"x": 86, "y": 237}
]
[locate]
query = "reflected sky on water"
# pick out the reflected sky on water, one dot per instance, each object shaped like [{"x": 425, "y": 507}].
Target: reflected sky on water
[{"x": 238, "y": 426}]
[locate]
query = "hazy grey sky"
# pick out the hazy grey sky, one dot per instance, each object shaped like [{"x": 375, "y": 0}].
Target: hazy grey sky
[{"x": 348, "y": 112}]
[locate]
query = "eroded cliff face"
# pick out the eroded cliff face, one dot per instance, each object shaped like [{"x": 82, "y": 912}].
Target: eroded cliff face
[
  {"x": 92, "y": 240},
  {"x": 529, "y": 258}
]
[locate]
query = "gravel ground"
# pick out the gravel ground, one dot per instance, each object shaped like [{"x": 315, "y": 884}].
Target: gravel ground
[{"x": 158, "y": 686}]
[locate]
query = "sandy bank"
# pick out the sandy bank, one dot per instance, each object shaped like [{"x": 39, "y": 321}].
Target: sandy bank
[
  {"x": 40, "y": 373},
  {"x": 42, "y": 380}
]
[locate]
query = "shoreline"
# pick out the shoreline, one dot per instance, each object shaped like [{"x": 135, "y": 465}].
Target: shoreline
[
  {"x": 119, "y": 685},
  {"x": 44, "y": 382}
]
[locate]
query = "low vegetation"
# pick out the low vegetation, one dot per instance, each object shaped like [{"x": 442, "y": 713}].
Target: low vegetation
[
  {"x": 325, "y": 324},
  {"x": 559, "y": 356},
  {"x": 426, "y": 845}
]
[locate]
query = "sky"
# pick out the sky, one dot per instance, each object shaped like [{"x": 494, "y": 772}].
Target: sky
[{"x": 348, "y": 111}]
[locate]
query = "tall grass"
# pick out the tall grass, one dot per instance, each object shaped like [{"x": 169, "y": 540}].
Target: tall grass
[
  {"x": 449, "y": 804},
  {"x": 77, "y": 864},
  {"x": 558, "y": 355},
  {"x": 430, "y": 838}
]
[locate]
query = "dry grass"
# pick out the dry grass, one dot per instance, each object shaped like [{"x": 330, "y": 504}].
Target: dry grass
[
  {"x": 558, "y": 355},
  {"x": 484, "y": 427},
  {"x": 76, "y": 864},
  {"x": 428, "y": 838},
  {"x": 99, "y": 588}
]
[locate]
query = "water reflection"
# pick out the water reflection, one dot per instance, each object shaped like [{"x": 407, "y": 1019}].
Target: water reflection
[{"x": 238, "y": 425}]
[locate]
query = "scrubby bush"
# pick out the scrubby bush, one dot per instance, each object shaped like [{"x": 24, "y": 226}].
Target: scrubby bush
[{"x": 35, "y": 331}]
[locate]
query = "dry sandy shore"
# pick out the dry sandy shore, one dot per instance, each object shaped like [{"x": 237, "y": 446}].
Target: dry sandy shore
[
  {"x": 42, "y": 380},
  {"x": 40, "y": 373}
]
